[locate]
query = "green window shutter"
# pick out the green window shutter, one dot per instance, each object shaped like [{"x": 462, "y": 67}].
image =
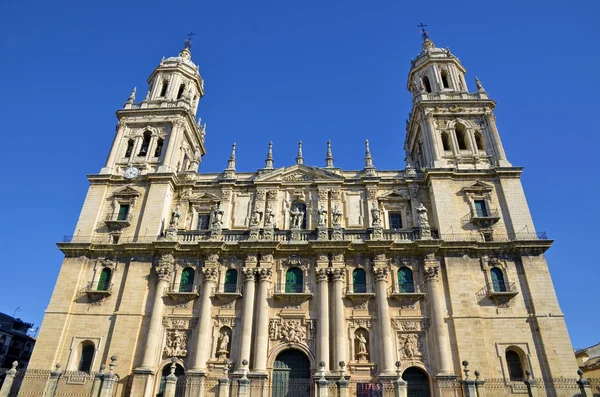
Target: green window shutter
[
  {"x": 123, "y": 212},
  {"x": 230, "y": 281},
  {"x": 293, "y": 280},
  {"x": 497, "y": 280},
  {"x": 187, "y": 280},
  {"x": 104, "y": 281},
  {"x": 480, "y": 208},
  {"x": 359, "y": 281},
  {"x": 405, "y": 280}
]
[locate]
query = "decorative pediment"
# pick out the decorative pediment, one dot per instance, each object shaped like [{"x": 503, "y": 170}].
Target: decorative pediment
[
  {"x": 478, "y": 187},
  {"x": 299, "y": 173},
  {"x": 126, "y": 192},
  {"x": 394, "y": 195},
  {"x": 203, "y": 197}
]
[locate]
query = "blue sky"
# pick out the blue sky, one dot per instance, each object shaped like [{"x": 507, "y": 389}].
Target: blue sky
[{"x": 289, "y": 71}]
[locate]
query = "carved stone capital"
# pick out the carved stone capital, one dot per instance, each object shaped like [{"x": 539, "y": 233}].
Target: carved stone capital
[
  {"x": 264, "y": 274},
  {"x": 380, "y": 273},
  {"x": 212, "y": 258},
  {"x": 210, "y": 274},
  {"x": 338, "y": 274},
  {"x": 164, "y": 268},
  {"x": 322, "y": 274},
  {"x": 249, "y": 274},
  {"x": 432, "y": 273}
]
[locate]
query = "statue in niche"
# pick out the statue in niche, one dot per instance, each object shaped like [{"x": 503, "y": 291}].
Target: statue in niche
[
  {"x": 322, "y": 215},
  {"x": 269, "y": 216},
  {"x": 256, "y": 217},
  {"x": 423, "y": 219},
  {"x": 297, "y": 218},
  {"x": 362, "y": 353},
  {"x": 376, "y": 216},
  {"x": 223, "y": 345},
  {"x": 337, "y": 215},
  {"x": 218, "y": 216},
  {"x": 175, "y": 215}
]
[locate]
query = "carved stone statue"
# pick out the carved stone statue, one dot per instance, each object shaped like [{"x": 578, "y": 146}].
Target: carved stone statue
[
  {"x": 269, "y": 216},
  {"x": 322, "y": 215},
  {"x": 297, "y": 218},
  {"x": 362, "y": 346},
  {"x": 223, "y": 345},
  {"x": 423, "y": 219},
  {"x": 411, "y": 347},
  {"x": 256, "y": 217},
  {"x": 375, "y": 216},
  {"x": 176, "y": 344},
  {"x": 337, "y": 215},
  {"x": 175, "y": 215},
  {"x": 218, "y": 216}
]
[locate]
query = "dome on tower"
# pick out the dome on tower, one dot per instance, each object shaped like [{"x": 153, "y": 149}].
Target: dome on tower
[{"x": 184, "y": 58}]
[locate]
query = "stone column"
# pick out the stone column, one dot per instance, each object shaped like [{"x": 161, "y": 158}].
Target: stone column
[
  {"x": 247, "y": 314},
  {"x": 496, "y": 142},
  {"x": 339, "y": 336},
  {"x": 117, "y": 144},
  {"x": 433, "y": 138},
  {"x": 164, "y": 271},
  {"x": 8, "y": 380},
  {"x": 203, "y": 329},
  {"x": 108, "y": 380},
  {"x": 168, "y": 164},
  {"x": 386, "y": 342},
  {"x": 435, "y": 296},
  {"x": 323, "y": 323},
  {"x": 261, "y": 342},
  {"x": 98, "y": 382},
  {"x": 52, "y": 384}
]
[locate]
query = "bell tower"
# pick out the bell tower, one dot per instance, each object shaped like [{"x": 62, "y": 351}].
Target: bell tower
[
  {"x": 160, "y": 134},
  {"x": 449, "y": 127}
]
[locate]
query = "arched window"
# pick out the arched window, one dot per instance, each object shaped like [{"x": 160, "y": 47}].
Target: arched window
[
  {"x": 479, "y": 141},
  {"x": 445, "y": 79},
  {"x": 185, "y": 162},
  {"x": 405, "y": 280},
  {"x": 497, "y": 280},
  {"x": 446, "y": 141},
  {"x": 129, "y": 148},
  {"x": 515, "y": 367},
  {"x": 426, "y": 83},
  {"x": 104, "y": 282},
  {"x": 359, "y": 281},
  {"x": 293, "y": 281},
  {"x": 187, "y": 280},
  {"x": 145, "y": 144},
  {"x": 165, "y": 87},
  {"x": 461, "y": 136},
  {"x": 230, "y": 280},
  {"x": 166, "y": 371},
  {"x": 86, "y": 356},
  {"x": 181, "y": 90},
  {"x": 298, "y": 218},
  {"x": 159, "y": 145}
]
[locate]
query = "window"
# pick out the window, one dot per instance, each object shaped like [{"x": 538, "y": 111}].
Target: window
[
  {"x": 515, "y": 367},
  {"x": 187, "y": 280},
  {"x": 129, "y": 148},
  {"x": 185, "y": 162},
  {"x": 446, "y": 141},
  {"x": 426, "y": 83},
  {"x": 86, "y": 357},
  {"x": 359, "y": 281},
  {"x": 445, "y": 80},
  {"x": 159, "y": 146},
  {"x": 145, "y": 144},
  {"x": 104, "y": 282},
  {"x": 395, "y": 220},
  {"x": 406, "y": 284},
  {"x": 123, "y": 212},
  {"x": 299, "y": 219},
  {"x": 293, "y": 281},
  {"x": 498, "y": 283},
  {"x": 479, "y": 141},
  {"x": 203, "y": 221},
  {"x": 164, "y": 89},
  {"x": 181, "y": 90},
  {"x": 461, "y": 136},
  {"x": 230, "y": 281},
  {"x": 480, "y": 208},
  {"x": 166, "y": 371}
]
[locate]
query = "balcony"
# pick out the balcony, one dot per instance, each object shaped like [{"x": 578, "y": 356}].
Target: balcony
[
  {"x": 483, "y": 219},
  {"x": 228, "y": 294},
  {"x": 181, "y": 294},
  {"x": 292, "y": 295},
  {"x": 359, "y": 294},
  {"x": 406, "y": 295},
  {"x": 501, "y": 293},
  {"x": 96, "y": 292},
  {"x": 114, "y": 222}
]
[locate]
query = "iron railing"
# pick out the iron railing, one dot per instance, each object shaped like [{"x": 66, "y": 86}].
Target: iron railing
[{"x": 283, "y": 288}]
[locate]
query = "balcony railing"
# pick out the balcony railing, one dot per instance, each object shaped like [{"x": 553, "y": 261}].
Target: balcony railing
[
  {"x": 501, "y": 293},
  {"x": 408, "y": 294},
  {"x": 96, "y": 292},
  {"x": 486, "y": 219},
  {"x": 293, "y": 295},
  {"x": 182, "y": 293},
  {"x": 113, "y": 221}
]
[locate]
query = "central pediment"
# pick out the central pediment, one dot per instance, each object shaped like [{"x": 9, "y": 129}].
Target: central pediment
[{"x": 299, "y": 173}]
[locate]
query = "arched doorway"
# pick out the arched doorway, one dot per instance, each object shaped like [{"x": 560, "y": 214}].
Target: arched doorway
[
  {"x": 417, "y": 382},
  {"x": 291, "y": 374},
  {"x": 179, "y": 371}
]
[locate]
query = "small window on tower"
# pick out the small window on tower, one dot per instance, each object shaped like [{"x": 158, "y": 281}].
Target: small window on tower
[
  {"x": 395, "y": 220},
  {"x": 426, "y": 83},
  {"x": 165, "y": 87},
  {"x": 181, "y": 90},
  {"x": 203, "y": 221},
  {"x": 129, "y": 148},
  {"x": 123, "y": 212},
  {"x": 145, "y": 144},
  {"x": 479, "y": 141},
  {"x": 159, "y": 146},
  {"x": 461, "y": 136},
  {"x": 446, "y": 141},
  {"x": 445, "y": 80}
]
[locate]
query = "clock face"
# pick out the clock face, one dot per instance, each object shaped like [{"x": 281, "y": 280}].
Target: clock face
[{"x": 131, "y": 172}]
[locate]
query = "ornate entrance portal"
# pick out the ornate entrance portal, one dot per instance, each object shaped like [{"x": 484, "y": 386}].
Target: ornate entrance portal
[
  {"x": 417, "y": 382},
  {"x": 291, "y": 374}
]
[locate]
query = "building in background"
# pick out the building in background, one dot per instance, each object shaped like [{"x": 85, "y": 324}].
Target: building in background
[
  {"x": 15, "y": 344},
  {"x": 286, "y": 268},
  {"x": 588, "y": 360}
]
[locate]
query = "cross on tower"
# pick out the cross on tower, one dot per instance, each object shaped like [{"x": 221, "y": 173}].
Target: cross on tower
[
  {"x": 424, "y": 33},
  {"x": 188, "y": 40}
]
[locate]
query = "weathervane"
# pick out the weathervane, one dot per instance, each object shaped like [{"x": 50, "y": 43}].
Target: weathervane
[
  {"x": 188, "y": 40},
  {"x": 424, "y": 33}
]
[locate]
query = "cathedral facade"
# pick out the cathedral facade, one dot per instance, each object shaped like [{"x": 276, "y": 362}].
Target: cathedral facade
[{"x": 288, "y": 272}]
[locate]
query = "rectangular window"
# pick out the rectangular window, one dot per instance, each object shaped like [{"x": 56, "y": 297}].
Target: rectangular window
[
  {"x": 480, "y": 208},
  {"x": 123, "y": 212},
  {"x": 395, "y": 220},
  {"x": 203, "y": 221}
]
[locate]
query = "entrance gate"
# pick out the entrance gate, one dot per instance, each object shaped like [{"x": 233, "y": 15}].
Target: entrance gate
[
  {"x": 291, "y": 374},
  {"x": 417, "y": 382}
]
